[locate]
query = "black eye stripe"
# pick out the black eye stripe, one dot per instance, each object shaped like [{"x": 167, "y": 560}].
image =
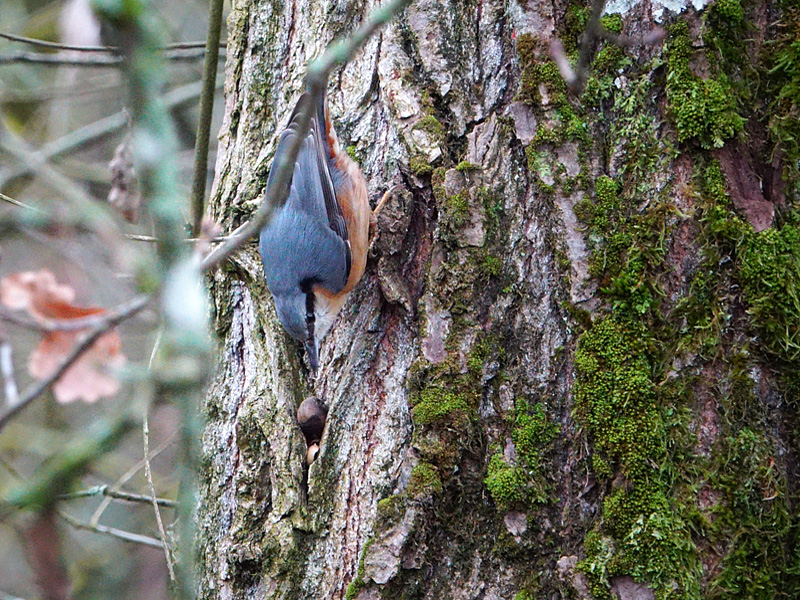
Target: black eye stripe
[{"x": 310, "y": 317}]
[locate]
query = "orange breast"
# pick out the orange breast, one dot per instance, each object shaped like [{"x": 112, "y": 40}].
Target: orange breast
[{"x": 353, "y": 200}]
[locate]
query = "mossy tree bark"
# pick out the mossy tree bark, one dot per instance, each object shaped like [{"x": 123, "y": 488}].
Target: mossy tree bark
[{"x": 571, "y": 367}]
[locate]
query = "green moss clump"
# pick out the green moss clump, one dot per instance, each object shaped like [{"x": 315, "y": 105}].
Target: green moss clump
[
  {"x": 420, "y": 165},
  {"x": 575, "y": 22},
  {"x": 614, "y": 395},
  {"x": 508, "y": 485},
  {"x": 703, "y": 110},
  {"x": 752, "y": 521},
  {"x": 437, "y": 404},
  {"x": 730, "y": 11},
  {"x": 612, "y": 23},
  {"x": 769, "y": 270},
  {"x": 643, "y": 533},
  {"x": 358, "y": 583},
  {"x": 425, "y": 481},
  {"x": 351, "y": 152},
  {"x": 767, "y": 266},
  {"x": 523, "y": 483},
  {"x": 432, "y": 126},
  {"x": 491, "y": 266},
  {"x": 466, "y": 166},
  {"x": 536, "y": 72},
  {"x": 783, "y": 89}
]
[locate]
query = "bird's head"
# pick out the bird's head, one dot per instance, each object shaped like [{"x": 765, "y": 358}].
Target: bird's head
[{"x": 296, "y": 313}]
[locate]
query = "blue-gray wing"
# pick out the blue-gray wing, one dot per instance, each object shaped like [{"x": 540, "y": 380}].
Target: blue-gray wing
[
  {"x": 316, "y": 190},
  {"x": 306, "y": 240}
]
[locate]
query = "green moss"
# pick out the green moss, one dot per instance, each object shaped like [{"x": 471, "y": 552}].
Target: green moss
[
  {"x": 609, "y": 59},
  {"x": 612, "y": 23},
  {"x": 351, "y": 152},
  {"x": 751, "y": 521},
  {"x": 432, "y": 126},
  {"x": 532, "y": 432},
  {"x": 575, "y": 22},
  {"x": 358, "y": 583},
  {"x": 420, "y": 165},
  {"x": 643, "y": 533},
  {"x": 536, "y": 72},
  {"x": 491, "y": 266},
  {"x": 730, "y": 11},
  {"x": 466, "y": 166},
  {"x": 437, "y": 404},
  {"x": 769, "y": 270},
  {"x": 425, "y": 480},
  {"x": 704, "y": 110},
  {"x": 525, "y": 482},
  {"x": 783, "y": 93},
  {"x": 507, "y": 485},
  {"x": 767, "y": 266}
]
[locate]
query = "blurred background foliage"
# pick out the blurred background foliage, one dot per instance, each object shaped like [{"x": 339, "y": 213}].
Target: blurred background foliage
[{"x": 70, "y": 119}]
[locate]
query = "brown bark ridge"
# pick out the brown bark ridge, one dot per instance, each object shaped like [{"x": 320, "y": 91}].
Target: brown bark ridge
[{"x": 555, "y": 355}]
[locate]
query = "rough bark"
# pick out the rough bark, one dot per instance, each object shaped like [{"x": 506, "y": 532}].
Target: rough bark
[{"x": 560, "y": 375}]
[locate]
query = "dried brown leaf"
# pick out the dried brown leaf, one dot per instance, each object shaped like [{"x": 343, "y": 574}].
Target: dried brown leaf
[{"x": 45, "y": 299}]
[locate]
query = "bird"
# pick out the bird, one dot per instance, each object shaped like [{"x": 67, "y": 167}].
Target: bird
[{"x": 314, "y": 249}]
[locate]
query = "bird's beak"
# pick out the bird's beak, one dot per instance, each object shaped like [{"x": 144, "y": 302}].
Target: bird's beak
[{"x": 313, "y": 354}]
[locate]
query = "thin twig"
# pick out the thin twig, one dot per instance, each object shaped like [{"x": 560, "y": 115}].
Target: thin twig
[
  {"x": 127, "y": 476},
  {"x": 149, "y": 476},
  {"x": 316, "y": 78},
  {"x": 53, "y": 45},
  {"x": 49, "y": 325},
  {"x": 127, "y": 536},
  {"x": 192, "y": 240},
  {"x": 92, "y": 60},
  {"x": 104, "y": 490},
  {"x": 57, "y": 60},
  {"x": 110, "y": 320},
  {"x": 206, "y": 110},
  {"x": 7, "y": 369},
  {"x": 56, "y": 46},
  {"x": 17, "y": 203}
]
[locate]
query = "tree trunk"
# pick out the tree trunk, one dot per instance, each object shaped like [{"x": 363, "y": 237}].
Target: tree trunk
[{"x": 570, "y": 368}]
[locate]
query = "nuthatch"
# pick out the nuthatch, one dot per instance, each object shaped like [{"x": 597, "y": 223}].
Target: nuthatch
[{"x": 315, "y": 246}]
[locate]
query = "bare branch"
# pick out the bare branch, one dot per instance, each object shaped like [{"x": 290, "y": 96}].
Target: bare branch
[
  {"x": 104, "y": 490},
  {"x": 125, "y": 478},
  {"x": 149, "y": 475},
  {"x": 53, "y": 45},
  {"x": 49, "y": 325},
  {"x": 57, "y": 46},
  {"x": 120, "y": 534},
  {"x": 109, "y": 321},
  {"x": 206, "y": 108},
  {"x": 17, "y": 203},
  {"x": 60, "y": 59},
  {"x": 316, "y": 78}
]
